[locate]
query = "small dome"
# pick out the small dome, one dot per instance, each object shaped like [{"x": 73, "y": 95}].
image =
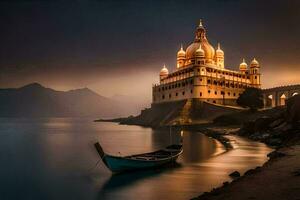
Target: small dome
[
  {"x": 219, "y": 51},
  {"x": 181, "y": 52},
  {"x": 243, "y": 65},
  {"x": 254, "y": 63},
  {"x": 200, "y": 52},
  {"x": 208, "y": 49},
  {"x": 164, "y": 71}
]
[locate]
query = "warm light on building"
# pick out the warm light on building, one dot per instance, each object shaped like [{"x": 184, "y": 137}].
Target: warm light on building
[{"x": 200, "y": 73}]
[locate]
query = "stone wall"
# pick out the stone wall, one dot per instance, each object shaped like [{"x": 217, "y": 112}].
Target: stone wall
[{"x": 189, "y": 111}]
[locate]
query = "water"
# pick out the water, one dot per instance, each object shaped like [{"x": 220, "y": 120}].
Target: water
[{"x": 54, "y": 159}]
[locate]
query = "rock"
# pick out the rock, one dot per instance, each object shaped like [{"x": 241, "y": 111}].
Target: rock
[
  {"x": 262, "y": 123},
  {"x": 250, "y": 171},
  {"x": 276, "y": 154},
  {"x": 274, "y": 142},
  {"x": 276, "y": 122},
  {"x": 265, "y": 136},
  {"x": 215, "y": 191},
  {"x": 293, "y": 109},
  {"x": 226, "y": 183},
  {"x": 283, "y": 127},
  {"x": 247, "y": 128},
  {"x": 235, "y": 174}
]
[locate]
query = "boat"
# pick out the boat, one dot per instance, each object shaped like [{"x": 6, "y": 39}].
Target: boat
[{"x": 153, "y": 159}]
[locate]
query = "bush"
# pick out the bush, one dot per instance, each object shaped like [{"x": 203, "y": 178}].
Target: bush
[{"x": 251, "y": 98}]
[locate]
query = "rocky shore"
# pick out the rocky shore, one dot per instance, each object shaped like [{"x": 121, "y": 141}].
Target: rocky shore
[{"x": 279, "y": 178}]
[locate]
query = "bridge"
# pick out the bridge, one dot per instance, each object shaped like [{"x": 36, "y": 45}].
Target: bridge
[{"x": 278, "y": 95}]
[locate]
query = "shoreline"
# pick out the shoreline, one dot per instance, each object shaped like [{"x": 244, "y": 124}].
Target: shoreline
[
  {"x": 278, "y": 178},
  {"x": 279, "y": 158},
  {"x": 279, "y": 128}
]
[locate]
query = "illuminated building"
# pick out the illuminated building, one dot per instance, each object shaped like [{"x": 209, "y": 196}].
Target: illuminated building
[{"x": 201, "y": 74}]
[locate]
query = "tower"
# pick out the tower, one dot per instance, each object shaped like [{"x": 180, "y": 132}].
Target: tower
[
  {"x": 243, "y": 67},
  {"x": 255, "y": 74},
  {"x": 180, "y": 57},
  {"x": 220, "y": 57}
]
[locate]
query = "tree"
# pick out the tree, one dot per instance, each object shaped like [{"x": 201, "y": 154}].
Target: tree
[{"x": 251, "y": 98}]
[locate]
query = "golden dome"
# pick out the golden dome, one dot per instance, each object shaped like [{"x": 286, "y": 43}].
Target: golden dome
[
  {"x": 208, "y": 50},
  {"x": 243, "y": 65},
  {"x": 200, "y": 38},
  {"x": 254, "y": 63},
  {"x": 200, "y": 52},
  {"x": 164, "y": 71},
  {"x": 181, "y": 52},
  {"x": 219, "y": 51}
]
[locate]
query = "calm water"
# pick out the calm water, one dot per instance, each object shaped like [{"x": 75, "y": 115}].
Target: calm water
[{"x": 54, "y": 159}]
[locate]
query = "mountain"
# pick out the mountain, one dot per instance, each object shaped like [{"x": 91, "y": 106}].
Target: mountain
[{"x": 34, "y": 100}]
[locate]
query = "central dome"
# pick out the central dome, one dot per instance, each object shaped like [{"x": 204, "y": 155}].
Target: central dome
[
  {"x": 208, "y": 49},
  {"x": 200, "y": 38}
]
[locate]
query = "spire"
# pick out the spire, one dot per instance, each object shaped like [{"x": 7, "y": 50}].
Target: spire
[
  {"x": 254, "y": 63},
  {"x": 200, "y": 23},
  {"x": 243, "y": 65},
  {"x": 181, "y": 52},
  {"x": 219, "y": 46},
  {"x": 200, "y": 46}
]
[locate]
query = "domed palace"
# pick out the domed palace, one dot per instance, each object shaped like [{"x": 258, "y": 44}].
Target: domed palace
[{"x": 201, "y": 73}]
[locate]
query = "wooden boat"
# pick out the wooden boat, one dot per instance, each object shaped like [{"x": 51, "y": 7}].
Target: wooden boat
[{"x": 140, "y": 161}]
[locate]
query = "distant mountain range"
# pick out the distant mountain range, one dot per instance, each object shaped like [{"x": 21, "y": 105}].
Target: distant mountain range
[{"x": 34, "y": 100}]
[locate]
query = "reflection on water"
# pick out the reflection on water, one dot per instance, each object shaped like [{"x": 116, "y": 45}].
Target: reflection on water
[{"x": 54, "y": 159}]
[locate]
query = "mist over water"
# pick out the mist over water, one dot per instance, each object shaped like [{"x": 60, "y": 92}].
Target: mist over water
[{"x": 54, "y": 158}]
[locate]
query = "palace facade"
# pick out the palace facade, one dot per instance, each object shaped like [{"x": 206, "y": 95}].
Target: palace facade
[{"x": 200, "y": 73}]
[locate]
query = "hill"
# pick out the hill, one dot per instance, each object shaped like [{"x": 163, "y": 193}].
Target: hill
[{"x": 35, "y": 100}]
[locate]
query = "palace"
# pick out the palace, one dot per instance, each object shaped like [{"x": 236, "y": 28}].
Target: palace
[{"x": 201, "y": 74}]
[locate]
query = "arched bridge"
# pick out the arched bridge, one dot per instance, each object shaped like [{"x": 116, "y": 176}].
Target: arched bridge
[{"x": 278, "y": 95}]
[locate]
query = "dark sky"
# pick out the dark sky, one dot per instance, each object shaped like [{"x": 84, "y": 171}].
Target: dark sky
[{"x": 119, "y": 46}]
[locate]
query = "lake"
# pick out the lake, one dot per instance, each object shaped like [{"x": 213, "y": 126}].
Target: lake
[{"x": 54, "y": 158}]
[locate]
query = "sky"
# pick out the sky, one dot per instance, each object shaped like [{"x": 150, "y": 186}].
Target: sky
[{"x": 117, "y": 47}]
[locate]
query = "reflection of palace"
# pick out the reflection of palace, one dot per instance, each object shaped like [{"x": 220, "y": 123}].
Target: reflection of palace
[{"x": 201, "y": 74}]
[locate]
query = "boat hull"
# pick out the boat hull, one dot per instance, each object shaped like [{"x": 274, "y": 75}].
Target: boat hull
[
  {"x": 140, "y": 161},
  {"x": 116, "y": 164}
]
